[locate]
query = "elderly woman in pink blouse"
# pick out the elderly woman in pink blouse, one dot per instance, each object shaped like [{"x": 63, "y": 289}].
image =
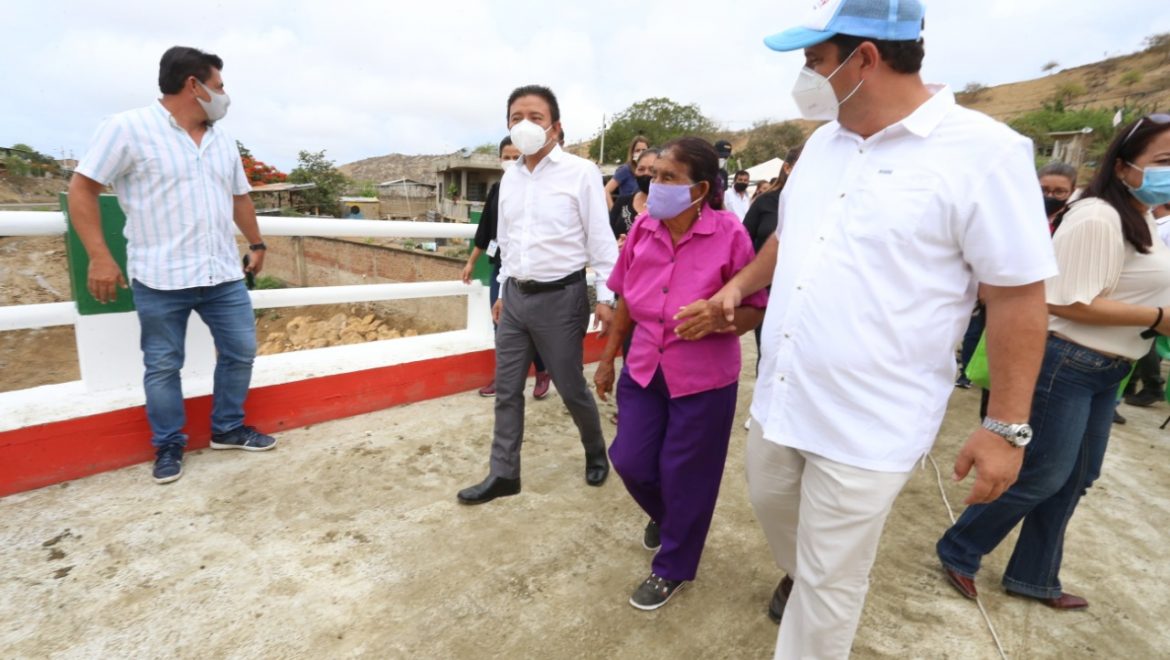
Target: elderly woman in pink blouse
[{"x": 677, "y": 390}]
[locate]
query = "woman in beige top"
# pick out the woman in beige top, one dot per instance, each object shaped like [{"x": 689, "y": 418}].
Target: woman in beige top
[{"x": 1109, "y": 298}]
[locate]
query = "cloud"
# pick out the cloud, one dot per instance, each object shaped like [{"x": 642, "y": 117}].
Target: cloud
[{"x": 361, "y": 79}]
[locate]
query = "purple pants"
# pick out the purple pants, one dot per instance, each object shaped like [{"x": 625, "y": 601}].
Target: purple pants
[{"x": 670, "y": 454}]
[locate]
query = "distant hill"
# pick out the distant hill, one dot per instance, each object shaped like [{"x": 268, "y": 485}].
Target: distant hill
[
  {"x": 392, "y": 166},
  {"x": 1140, "y": 80}
]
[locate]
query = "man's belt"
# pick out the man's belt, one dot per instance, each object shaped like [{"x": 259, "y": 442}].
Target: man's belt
[{"x": 533, "y": 286}]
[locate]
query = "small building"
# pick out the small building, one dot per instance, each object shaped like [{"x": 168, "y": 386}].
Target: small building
[
  {"x": 406, "y": 188},
  {"x": 406, "y": 198},
  {"x": 1071, "y": 146},
  {"x": 368, "y": 208},
  {"x": 470, "y": 176},
  {"x": 270, "y": 198}
]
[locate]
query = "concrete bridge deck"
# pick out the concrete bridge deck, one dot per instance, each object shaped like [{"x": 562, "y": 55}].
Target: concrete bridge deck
[{"x": 347, "y": 542}]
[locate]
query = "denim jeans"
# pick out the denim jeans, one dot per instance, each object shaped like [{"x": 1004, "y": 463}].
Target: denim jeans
[
  {"x": 227, "y": 310},
  {"x": 1072, "y": 413}
]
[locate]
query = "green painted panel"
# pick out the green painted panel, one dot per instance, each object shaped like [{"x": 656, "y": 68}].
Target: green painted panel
[
  {"x": 113, "y": 222},
  {"x": 482, "y": 270}
]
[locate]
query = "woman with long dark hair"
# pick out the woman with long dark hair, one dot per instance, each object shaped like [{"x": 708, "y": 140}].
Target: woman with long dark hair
[
  {"x": 677, "y": 392},
  {"x": 624, "y": 181},
  {"x": 1105, "y": 307}
]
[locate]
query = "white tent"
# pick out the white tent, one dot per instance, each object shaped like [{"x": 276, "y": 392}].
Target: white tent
[{"x": 766, "y": 171}]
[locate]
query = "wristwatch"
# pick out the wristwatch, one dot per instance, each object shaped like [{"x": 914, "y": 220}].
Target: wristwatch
[
  {"x": 1017, "y": 435},
  {"x": 257, "y": 246}
]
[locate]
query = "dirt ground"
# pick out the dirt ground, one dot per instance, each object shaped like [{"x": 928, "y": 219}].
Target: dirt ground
[{"x": 347, "y": 542}]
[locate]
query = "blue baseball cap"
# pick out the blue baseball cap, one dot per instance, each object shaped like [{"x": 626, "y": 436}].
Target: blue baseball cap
[{"x": 888, "y": 20}]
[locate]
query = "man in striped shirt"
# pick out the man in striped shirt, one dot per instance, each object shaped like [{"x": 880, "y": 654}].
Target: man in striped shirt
[{"x": 181, "y": 184}]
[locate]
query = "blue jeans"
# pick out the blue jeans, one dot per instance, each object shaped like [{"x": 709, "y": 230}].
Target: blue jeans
[
  {"x": 1072, "y": 413},
  {"x": 227, "y": 310}
]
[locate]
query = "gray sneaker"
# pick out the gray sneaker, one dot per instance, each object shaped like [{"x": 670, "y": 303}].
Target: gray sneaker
[
  {"x": 654, "y": 592},
  {"x": 651, "y": 539},
  {"x": 244, "y": 437}
]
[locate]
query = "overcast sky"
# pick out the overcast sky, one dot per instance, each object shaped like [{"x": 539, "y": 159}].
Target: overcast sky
[{"x": 362, "y": 79}]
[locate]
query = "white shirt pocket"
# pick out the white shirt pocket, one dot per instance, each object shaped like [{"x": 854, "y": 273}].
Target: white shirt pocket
[{"x": 893, "y": 206}]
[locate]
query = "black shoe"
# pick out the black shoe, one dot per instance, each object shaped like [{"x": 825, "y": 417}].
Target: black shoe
[
  {"x": 489, "y": 489},
  {"x": 1144, "y": 399},
  {"x": 654, "y": 592},
  {"x": 780, "y": 599},
  {"x": 596, "y": 470},
  {"x": 650, "y": 538},
  {"x": 963, "y": 383},
  {"x": 1117, "y": 418},
  {"x": 168, "y": 464}
]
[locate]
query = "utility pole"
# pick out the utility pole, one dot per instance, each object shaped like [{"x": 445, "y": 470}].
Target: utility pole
[{"x": 601, "y": 154}]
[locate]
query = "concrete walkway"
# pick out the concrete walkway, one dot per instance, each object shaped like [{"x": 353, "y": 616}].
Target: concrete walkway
[{"x": 347, "y": 542}]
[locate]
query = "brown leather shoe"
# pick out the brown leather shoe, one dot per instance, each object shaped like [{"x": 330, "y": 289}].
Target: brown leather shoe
[
  {"x": 780, "y": 599},
  {"x": 1065, "y": 601},
  {"x": 962, "y": 584}
]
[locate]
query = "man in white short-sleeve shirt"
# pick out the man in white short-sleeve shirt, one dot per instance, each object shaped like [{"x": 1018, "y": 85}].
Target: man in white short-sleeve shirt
[
  {"x": 897, "y": 210},
  {"x": 181, "y": 184}
]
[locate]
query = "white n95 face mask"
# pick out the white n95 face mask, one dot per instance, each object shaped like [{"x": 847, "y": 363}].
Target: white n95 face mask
[
  {"x": 528, "y": 137},
  {"x": 814, "y": 95},
  {"x": 217, "y": 107}
]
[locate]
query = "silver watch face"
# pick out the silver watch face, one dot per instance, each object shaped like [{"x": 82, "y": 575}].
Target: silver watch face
[{"x": 1021, "y": 434}]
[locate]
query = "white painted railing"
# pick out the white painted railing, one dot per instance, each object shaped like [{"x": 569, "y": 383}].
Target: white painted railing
[
  {"x": 49, "y": 223},
  {"x": 108, "y": 365}
]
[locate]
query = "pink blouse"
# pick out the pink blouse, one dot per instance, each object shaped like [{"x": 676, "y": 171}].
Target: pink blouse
[{"x": 657, "y": 278}]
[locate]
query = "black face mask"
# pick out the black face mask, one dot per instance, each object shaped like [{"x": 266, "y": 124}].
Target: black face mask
[
  {"x": 1053, "y": 204},
  {"x": 644, "y": 183},
  {"x": 741, "y": 187}
]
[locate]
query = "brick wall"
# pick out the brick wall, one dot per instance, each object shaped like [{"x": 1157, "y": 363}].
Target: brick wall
[{"x": 335, "y": 261}]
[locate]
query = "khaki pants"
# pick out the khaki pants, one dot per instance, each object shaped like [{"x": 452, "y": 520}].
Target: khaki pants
[{"x": 823, "y": 521}]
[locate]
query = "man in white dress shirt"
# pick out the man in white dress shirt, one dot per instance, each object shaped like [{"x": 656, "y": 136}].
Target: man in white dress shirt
[
  {"x": 182, "y": 186},
  {"x": 736, "y": 199},
  {"x": 553, "y": 222},
  {"x": 898, "y": 209}
]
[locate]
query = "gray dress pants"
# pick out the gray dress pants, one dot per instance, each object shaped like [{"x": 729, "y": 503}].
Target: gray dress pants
[{"x": 554, "y": 323}]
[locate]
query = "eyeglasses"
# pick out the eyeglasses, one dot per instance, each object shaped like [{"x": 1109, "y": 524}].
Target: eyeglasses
[{"x": 1158, "y": 118}]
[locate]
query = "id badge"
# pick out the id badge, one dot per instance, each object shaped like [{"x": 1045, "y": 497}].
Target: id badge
[{"x": 493, "y": 248}]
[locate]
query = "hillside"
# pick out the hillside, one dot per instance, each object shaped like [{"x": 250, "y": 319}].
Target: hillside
[
  {"x": 392, "y": 166},
  {"x": 1140, "y": 80}
]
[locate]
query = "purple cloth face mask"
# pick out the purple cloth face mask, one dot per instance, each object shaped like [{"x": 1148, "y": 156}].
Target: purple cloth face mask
[{"x": 669, "y": 200}]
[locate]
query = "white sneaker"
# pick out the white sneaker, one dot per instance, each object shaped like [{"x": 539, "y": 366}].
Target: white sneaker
[{"x": 747, "y": 424}]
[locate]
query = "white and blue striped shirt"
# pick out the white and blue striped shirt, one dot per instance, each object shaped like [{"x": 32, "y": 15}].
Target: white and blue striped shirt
[{"x": 177, "y": 197}]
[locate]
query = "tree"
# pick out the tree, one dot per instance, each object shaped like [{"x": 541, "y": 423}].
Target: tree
[
  {"x": 658, "y": 119},
  {"x": 1159, "y": 43},
  {"x": 244, "y": 152},
  {"x": 314, "y": 167},
  {"x": 489, "y": 148},
  {"x": 1039, "y": 123},
  {"x": 973, "y": 92},
  {"x": 35, "y": 162},
  {"x": 768, "y": 141}
]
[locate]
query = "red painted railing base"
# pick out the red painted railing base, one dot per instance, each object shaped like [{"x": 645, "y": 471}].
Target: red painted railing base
[{"x": 47, "y": 454}]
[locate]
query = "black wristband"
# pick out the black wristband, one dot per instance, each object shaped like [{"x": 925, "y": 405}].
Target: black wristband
[
  {"x": 261, "y": 246},
  {"x": 1150, "y": 332}
]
